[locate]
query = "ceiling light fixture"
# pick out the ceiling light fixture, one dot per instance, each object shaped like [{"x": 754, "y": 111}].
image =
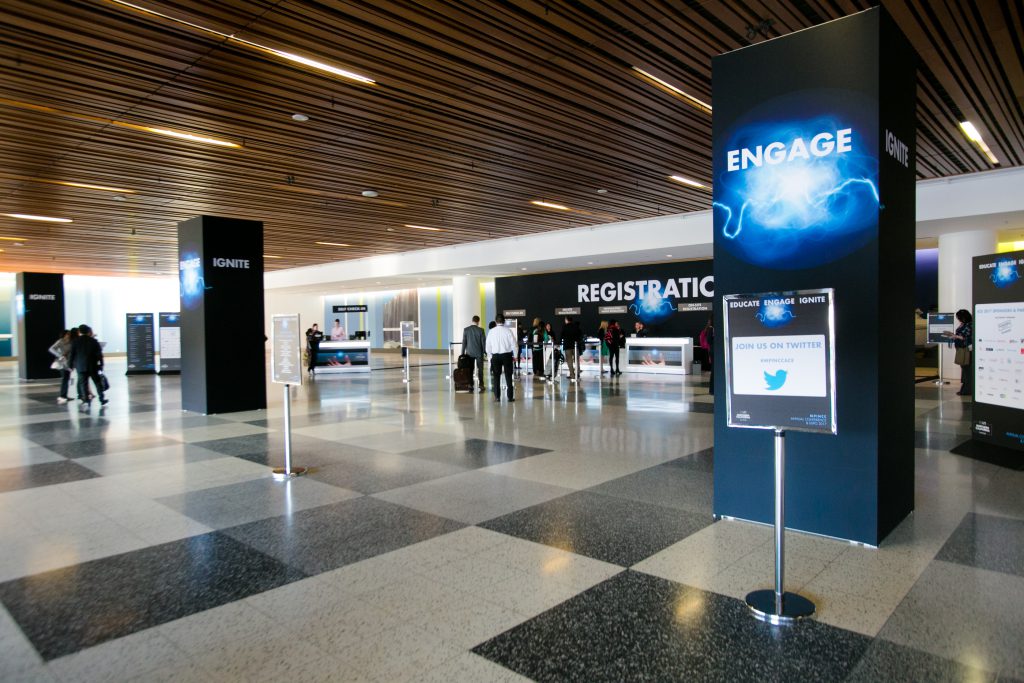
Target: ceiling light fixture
[
  {"x": 181, "y": 135},
  {"x": 423, "y": 227},
  {"x": 103, "y": 188},
  {"x": 687, "y": 181},
  {"x": 119, "y": 124},
  {"x": 30, "y": 217},
  {"x": 550, "y": 205},
  {"x": 974, "y": 136},
  {"x": 306, "y": 61},
  {"x": 523, "y": 268},
  {"x": 271, "y": 256},
  {"x": 668, "y": 255},
  {"x": 688, "y": 98},
  {"x": 602, "y": 191},
  {"x": 370, "y": 193},
  {"x": 334, "y": 244},
  {"x": 302, "y": 118},
  {"x": 14, "y": 239}
]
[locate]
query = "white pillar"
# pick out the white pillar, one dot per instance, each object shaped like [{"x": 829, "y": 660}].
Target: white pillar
[
  {"x": 465, "y": 304},
  {"x": 956, "y": 249}
]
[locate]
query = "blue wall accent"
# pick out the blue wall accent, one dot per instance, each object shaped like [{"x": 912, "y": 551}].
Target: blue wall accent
[{"x": 926, "y": 280}]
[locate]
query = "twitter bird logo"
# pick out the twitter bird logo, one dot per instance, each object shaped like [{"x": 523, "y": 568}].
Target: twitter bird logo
[{"x": 775, "y": 381}]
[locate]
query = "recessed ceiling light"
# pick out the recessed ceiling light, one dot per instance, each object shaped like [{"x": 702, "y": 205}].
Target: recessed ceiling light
[
  {"x": 302, "y": 118},
  {"x": 423, "y": 227},
  {"x": 30, "y": 217},
  {"x": 256, "y": 46},
  {"x": 690, "y": 99},
  {"x": 370, "y": 193},
  {"x": 391, "y": 229},
  {"x": 687, "y": 181},
  {"x": 523, "y": 268},
  {"x": 14, "y": 239},
  {"x": 668, "y": 255},
  {"x": 974, "y": 136},
  {"x": 590, "y": 263},
  {"x": 550, "y": 205},
  {"x": 181, "y": 135},
  {"x": 119, "y": 198},
  {"x": 334, "y": 244},
  {"x": 104, "y": 188},
  {"x": 271, "y": 256},
  {"x": 602, "y": 191}
]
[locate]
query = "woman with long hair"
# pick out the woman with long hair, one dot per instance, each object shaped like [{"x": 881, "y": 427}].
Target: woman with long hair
[{"x": 963, "y": 339}]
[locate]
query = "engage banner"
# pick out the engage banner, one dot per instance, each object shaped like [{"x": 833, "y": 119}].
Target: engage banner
[{"x": 780, "y": 361}]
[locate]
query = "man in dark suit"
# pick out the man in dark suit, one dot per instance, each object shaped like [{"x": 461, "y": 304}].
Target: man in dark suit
[
  {"x": 473, "y": 340},
  {"x": 86, "y": 358}
]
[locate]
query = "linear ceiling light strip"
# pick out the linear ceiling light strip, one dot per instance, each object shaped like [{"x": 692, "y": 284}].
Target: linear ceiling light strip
[{"x": 292, "y": 57}]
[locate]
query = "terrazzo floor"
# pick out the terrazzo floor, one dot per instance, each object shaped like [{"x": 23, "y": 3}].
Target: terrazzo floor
[{"x": 444, "y": 537}]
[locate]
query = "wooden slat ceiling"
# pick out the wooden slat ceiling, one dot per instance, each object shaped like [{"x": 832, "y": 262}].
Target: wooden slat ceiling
[{"x": 479, "y": 107}]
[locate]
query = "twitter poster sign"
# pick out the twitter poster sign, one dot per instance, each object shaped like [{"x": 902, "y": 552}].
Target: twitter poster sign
[{"x": 779, "y": 358}]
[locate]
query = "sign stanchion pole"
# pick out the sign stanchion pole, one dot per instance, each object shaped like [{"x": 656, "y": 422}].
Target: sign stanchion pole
[
  {"x": 450, "y": 345},
  {"x": 286, "y": 369}
]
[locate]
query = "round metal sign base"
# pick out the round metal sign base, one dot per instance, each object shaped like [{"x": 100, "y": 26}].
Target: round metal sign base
[
  {"x": 794, "y": 607},
  {"x": 281, "y": 474}
]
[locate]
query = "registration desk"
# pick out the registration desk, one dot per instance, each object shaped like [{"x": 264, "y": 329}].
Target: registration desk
[
  {"x": 666, "y": 355},
  {"x": 343, "y": 356},
  {"x": 590, "y": 356}
]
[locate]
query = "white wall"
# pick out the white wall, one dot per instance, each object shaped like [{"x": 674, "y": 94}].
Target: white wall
[
  {"x": 310, "y": 307},
  {"x": 103, "y": 302}
]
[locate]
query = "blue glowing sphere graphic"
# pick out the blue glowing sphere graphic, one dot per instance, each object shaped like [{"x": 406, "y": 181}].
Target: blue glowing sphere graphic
[
  {"x": 652, "y": 307},
  {"x": 190, "y": 273},
  {"x": 774, "y": 314},
  {"x": 1005, "y": 273},
  {"x": 799, "y": 185}
]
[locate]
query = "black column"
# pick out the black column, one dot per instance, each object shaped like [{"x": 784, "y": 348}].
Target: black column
[
  {"x": 813, "y": 144},
  {"x": 39, "y": 298},
  {"x": 223, "y": 355}
]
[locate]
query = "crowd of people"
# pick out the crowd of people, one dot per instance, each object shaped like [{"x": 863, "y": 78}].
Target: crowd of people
[
  {"x": 79, "y": 352},
  {"x": 548, "y": 349}
]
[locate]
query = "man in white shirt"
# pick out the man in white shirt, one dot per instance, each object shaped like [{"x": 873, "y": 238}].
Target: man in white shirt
[
  {"x": 500, "y": 346},
  {"x": 337, "y": 332}
]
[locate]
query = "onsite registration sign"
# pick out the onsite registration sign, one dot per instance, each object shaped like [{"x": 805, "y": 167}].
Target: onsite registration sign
[
  {"x": 780, "y": 360},
  {"x": 286, "y": 349}
]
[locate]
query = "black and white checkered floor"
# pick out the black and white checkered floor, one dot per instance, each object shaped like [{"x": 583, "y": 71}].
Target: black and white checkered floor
[{"x": 444, "y": 537}]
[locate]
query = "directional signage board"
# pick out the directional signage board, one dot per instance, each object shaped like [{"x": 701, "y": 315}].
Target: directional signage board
[
  {"x": 170, "y": 342},
  {"x": 408, "y": 332},
  {"x": 940, "y": 327},
  {"x": 780, "y": 360},
  {"x": 286, "y": 346},
  {"x": 141, "y": 349}
]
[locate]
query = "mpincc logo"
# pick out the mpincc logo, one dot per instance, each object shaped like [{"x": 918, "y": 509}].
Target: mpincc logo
[{"x": 775, "y": 382}]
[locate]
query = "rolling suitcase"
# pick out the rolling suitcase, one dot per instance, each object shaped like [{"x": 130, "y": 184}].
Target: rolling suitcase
[{"x": 463, "y": 379}]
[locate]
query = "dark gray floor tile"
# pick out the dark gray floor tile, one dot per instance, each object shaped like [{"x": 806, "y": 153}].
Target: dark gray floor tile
[
  {"x": 639, "y": 627},
  {"x": 66, "y": 610},
  {"x": 268, "y": 449},
  {"x": 43, "y": 474},
  {"x": 987, "y": 542},
  {"x": 702, "y": 461},
  {"x": 606, "y": 528},
  {"x": 48, "y": 433},
  {"x": 889, "y": 662},
  {"x": 665, "y": 485},
  {"x": 938, "y": 441},
  {"x": 226, "y": 506},
  {"x": 376, "y": 472},
  {"x": 85, "y": 448},
  {"x": 332, "y": 536},
  {"x": 475, "y": 453}
]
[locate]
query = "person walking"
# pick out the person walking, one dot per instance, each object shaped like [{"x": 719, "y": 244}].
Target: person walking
[
  {"x": 313, "y": 338},
  {"x": 86, "y": 357},
  {"x": 537, "y": 348},
  {"x": 473, "y": 341},
  {"x": 61, "y": 350},
  {"x": 614, "y": 338},
  {"x": 572, "y": 343},
  {"x": 500, "y": 345}
]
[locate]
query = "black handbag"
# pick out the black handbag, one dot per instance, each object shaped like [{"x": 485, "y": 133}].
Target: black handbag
[{"x": 104, "y": 383}]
